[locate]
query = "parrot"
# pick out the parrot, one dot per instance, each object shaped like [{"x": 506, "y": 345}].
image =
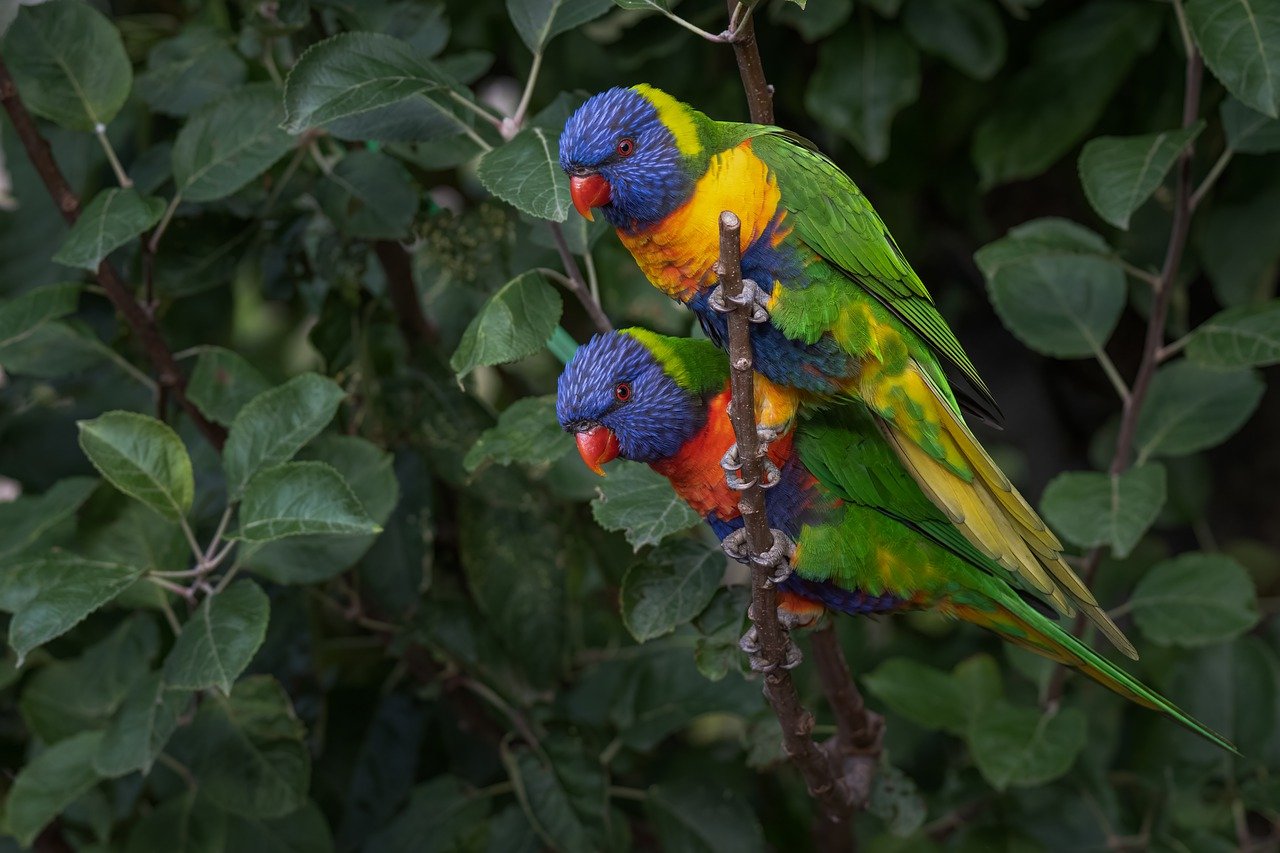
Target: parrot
[
  {"x": 868, "y": 539},
  {"x": 839, "y": 313}
]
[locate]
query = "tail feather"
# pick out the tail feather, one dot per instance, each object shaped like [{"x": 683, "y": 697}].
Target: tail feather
[
  {"x": 994, "y": 516},
  {"x": 1018, "y": 622}
]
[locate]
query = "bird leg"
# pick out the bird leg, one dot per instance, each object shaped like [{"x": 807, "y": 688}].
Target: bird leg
[
  {"x": 778, "y": 557},
  {"x": 750, "y": 643},
  {"x": 752, "y": 294}
]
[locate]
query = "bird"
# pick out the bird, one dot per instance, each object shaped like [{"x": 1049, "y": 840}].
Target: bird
[
  {"x": 839, "y": 312},
  {"x": 867, "y": 539}
]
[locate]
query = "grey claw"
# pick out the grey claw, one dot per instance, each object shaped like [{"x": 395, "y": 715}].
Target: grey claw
[
  {"x": 751, "y": 295},
  {"x": 731, "y": 461},
  {"x": 794, "y": 657},
  {"x": 750, "y": 641},
  {"x": 735, "y": 544},
  {"x": 778, "y": 556}
]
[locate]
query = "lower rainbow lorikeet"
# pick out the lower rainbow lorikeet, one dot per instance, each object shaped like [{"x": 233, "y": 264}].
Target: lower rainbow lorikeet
[
  {"x": 840, "y": 312},
  {"x": 866, "y": 538}
]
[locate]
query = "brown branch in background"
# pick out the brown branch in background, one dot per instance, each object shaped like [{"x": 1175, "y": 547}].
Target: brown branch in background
[
  {"x": 747, "y": 52},
  {"x": 1122, "y": 459},
  {"x": 577, "y": 284},
  {"x": 397, "y": 269},
  {"x": 167, "y": 373},
  {"x": 823, "y": 775}
]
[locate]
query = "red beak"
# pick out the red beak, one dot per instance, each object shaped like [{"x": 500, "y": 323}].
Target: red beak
[
  {"x": 597, "y": 446},
  {"x": 588, "y": 192}
]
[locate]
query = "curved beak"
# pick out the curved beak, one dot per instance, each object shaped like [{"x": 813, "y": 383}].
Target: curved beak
[
  {"x": 597, "y": 446},
  {"x": 588, "y": 191}
]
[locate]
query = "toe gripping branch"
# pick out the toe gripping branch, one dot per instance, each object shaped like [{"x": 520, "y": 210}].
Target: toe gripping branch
[
  {"x": 752, "y": 295},
  {"x": 777, "y": 558},
  {"x": 750, "y": 643},
  {"x": 731, "y": 462}
]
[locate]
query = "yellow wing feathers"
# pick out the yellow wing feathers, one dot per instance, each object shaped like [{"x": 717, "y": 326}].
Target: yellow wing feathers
[{"x": 977, "y": 496}]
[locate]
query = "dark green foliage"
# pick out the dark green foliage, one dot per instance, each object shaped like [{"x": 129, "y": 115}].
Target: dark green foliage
[{"x": 395, "y": 611}]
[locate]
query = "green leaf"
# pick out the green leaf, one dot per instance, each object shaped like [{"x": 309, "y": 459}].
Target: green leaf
[
  {"x": 69, "y": 63},
  {"x": 816, "y": 22},
  {"x": 1249, "y": 132},
  {"x": 1240, "y": 245},
  {"x": 693, "y": 817},
  {"x": 865, "y": 75},
  {"x": 274, "y": 425},
  {"x": 539, "y": 21},
  {"x": 219, "y": 640},
  {"x": 966, "y": 33},
  {"x": 439, "y": 815},
  {"x": 49, "y": 783},
  {"x": 1190, "y": 408},
  {"x": 1120, "y": 173},
  {"x": 370, "y": 196},
  {"x": 300, "y": 498},
  {"x": 1234, "y": 688},
  {"x": 185, "y": 823},
  {"x": 1247, "y": 336},
  {"x": 1240, "y": 40},
  {"x": 671, "y": 586},
  {"x": 22, "y": 315},
  {"x": 527, "y": 432},
  {"x": 641, "y": 503},
  {"x": 1037, "y": 119},
  {"x": 514, "y": 323},
  {"x": 372, "y": 86},
  {"x": 526, "y": 174},
  {"x": 1054, "y": 287},
  {"x": 140, "y": 729},
  {"x": 303, "y": 830},
  {"x": 51, "y": 595},
  {"x": 896, "y": 801},
  {"x": 185, "y": 72},
  {"x": 229, "y": 142},
  {"x": 517, "y": 562},
  {"x": 25, "y": 520},
  {"x": 113, "y": 218},
  {"x": 720, "y": 624},
  {"x": 928, "y": 697},
  {"x": 143, "y": 458},
  {"x": 247, "y": 750},
  {"x": 222, "y": 383},
  {"x": 1091, "y": 508},
  {"x": 1195, "y": 600},
  {"x": 53, "y": 349},
  {"x": 563, "y": 797},
  {"x": 1020, "y": 747}
]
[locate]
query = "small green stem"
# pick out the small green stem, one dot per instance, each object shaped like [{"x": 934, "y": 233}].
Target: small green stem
[
  {"x": 1109, "y": 368},
  {"x": 1210, "y": 179},
  {"x": 517, "y": 118},
  {"x": 100, "y": 130},
  {"x": 1138, "y": 272},
  {"x": 154, "y": 243},
  {"x": 622, "y": 793}
]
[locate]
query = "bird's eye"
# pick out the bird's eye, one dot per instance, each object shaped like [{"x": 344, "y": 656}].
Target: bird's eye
[
  {"x": 626, "y": 147},
  {"x": 622, "y": 391}
]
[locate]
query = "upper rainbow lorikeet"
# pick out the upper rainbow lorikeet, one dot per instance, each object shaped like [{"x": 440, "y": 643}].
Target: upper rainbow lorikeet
[
  {"x": 867, "y": 539},
  {"x": 846, "y": 314}
]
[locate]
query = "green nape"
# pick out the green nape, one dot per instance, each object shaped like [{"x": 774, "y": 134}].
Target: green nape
[{"x": 697, "y": 366}]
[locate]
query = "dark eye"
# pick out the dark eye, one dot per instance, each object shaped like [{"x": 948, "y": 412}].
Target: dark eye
[
  {"x": 626, "y": 147},
  {"x": 622, "y": 391}
]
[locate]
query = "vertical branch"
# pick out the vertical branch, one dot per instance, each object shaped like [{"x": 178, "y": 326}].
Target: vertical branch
[
  {"x": 750, "y": 68},
  {"x": 397, "y": 268},
  {"x": 168, "y": 376},
  {"x": 1153, "y": 343},
  {"x": 577, "y": 284},
  {"x": 824, "y": 781}
]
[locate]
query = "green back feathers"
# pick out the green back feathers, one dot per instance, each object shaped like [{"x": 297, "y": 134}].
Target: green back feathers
[{"x": 697, "y": 366}]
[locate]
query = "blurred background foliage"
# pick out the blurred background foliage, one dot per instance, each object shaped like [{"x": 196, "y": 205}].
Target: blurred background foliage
[{"x": 398, "y": 614}]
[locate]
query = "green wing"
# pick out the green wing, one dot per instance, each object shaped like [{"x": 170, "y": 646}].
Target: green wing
[
  {"x": 843, "y": 448},
  {"x": 832, "y": 216}
]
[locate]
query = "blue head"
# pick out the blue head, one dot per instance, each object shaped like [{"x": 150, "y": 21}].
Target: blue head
[
  {"x": 633, "y": 153},
  {"x": 617, "y": 399}
]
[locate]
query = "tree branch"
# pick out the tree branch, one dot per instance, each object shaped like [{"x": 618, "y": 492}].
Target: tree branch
[
  {"x": 1152, "y": 349},
  {"x": 747, "y": 52},
  {"x": 576, "y": 284},
  {"x": 823, "y": 769},
  {"x": 168, "y": 375},
  {"x": 397, "y": 269}
]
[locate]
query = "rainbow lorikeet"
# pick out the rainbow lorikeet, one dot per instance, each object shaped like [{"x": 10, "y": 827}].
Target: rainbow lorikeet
[
  {"x": 867, "y": 538},
  {"x": 843, "y": 313}
]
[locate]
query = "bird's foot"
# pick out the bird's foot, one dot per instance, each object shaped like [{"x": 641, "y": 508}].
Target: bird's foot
[
  {"x": 751, "y": 295},
  {"x": 731, "y": 462},
  {"x": 750, "y": 643},
  {"x": 778, "y": 557}
]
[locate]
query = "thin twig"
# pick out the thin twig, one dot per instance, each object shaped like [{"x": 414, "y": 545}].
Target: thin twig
[
  {"x": 122, "y": 177},
  {"x": 747, "y": 52},
  {"x": 1152, "y": 345},
  {"x": 1109, "y": 368},
  {"x": 796, "y": 721},
  {"x": 68, "y": 204},
  {"x": 576, "y": 284},
  {"x": 517, "y": 118},
  {"x": 397, "y": 269},
  {"x": 1210, "y": 179}
]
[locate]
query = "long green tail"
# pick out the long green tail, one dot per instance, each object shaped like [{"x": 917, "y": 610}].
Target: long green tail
[{"x": 1018, "y": 622}]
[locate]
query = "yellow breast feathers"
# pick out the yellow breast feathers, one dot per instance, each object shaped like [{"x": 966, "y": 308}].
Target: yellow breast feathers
[{"x": 677, "y": 253}]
